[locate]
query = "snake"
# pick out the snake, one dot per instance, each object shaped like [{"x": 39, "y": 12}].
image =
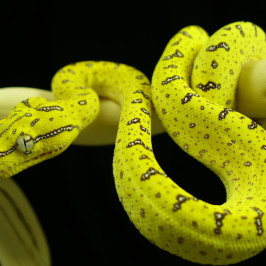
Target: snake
[{"x": 193, "y": 91}]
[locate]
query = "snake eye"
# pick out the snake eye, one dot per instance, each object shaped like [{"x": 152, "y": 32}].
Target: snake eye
[{"x": 24, "y": 144}]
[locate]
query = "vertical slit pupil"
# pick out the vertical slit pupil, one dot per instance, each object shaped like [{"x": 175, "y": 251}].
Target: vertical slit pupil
[{"x": 25, "y": 144}]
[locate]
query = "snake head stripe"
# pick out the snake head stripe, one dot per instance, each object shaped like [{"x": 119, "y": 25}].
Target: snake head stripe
[{"x": 36, "y": 130}]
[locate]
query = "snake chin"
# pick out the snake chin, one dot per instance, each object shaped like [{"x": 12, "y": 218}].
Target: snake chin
[
  {"x": 47, "y": 154},
  {"x": 31, "y": 159}
]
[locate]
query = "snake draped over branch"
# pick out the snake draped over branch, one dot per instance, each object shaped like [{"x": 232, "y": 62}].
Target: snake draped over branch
[{"x": 194, "y": 93}]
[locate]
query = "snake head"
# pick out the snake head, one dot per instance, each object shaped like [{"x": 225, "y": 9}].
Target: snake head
[{"x": 36, "y": 130}]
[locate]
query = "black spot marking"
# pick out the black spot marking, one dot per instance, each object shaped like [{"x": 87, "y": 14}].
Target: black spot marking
[
  {"x": 71, "y": 71},
  {"x": 186, "y": 34},
  {"x": 247, "y": 163},
  {"x": 50, "y": 108},
  {"x": 218, "y": 220},
  {"x": 170, "y": 66},
  {"x": 142, "y": 128},
  {"x": 143, "y": 156},
  {"x": 258, "y": 221},
  {"x": 145, "y": 84},
  {"x": 151, "y": 172},
  {"x": 180, "y": 240},
  {"x": 239, "y": 236},
  {"x": 203, "y": 253},
  {"x": 138, "y": 142},
  {"x": 177, "y": 42},
  {"x": 83, "y": 102},
  {"x": 213, "y": 48},
  {"x": 133, "y": 121},
  {"x": 231, "y": 143},
  {"x": 253, "y": 125},
  {"x": 180, "y": 200},
  {"x": 224, "y": 113},
  {"x": 208, "y": 86},
  {"x": 188, "y": 97},
  {"x": 241, "y": 30},
  {"x": 170, "y": 79},
  {"x": 26, "y": 102},
  {"x": 137, "y": 101},
  {"x": 67, "y": 80},
  {"x": 175, "y": 133},
  {"x": 145, "y": 112},
  {"x": 176, "y": 54},
  {"x": 34, "y": 121},
  {"x": 214, "y": 64}
]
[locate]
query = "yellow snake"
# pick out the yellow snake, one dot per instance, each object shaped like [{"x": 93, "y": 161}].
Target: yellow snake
[{"x": 193, "y": 91}]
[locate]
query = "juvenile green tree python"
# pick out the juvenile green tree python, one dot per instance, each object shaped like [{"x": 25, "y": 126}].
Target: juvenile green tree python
[{"x": 193, "y": 91}]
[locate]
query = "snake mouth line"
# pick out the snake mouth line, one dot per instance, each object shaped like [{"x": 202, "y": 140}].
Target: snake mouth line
[
  {"x": 50, "y": 152},
  {"x": 32, "y": 160},
  {"x": 51, "y": 134}
]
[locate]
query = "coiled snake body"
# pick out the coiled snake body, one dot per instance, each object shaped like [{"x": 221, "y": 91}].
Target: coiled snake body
[{"x": 200, "y": 119}]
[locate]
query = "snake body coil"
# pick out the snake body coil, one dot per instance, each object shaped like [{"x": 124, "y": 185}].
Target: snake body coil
[{"x": 201, "y": 120}]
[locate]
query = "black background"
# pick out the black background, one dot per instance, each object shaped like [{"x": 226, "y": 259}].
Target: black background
[{"x": 74, "y": 194}]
